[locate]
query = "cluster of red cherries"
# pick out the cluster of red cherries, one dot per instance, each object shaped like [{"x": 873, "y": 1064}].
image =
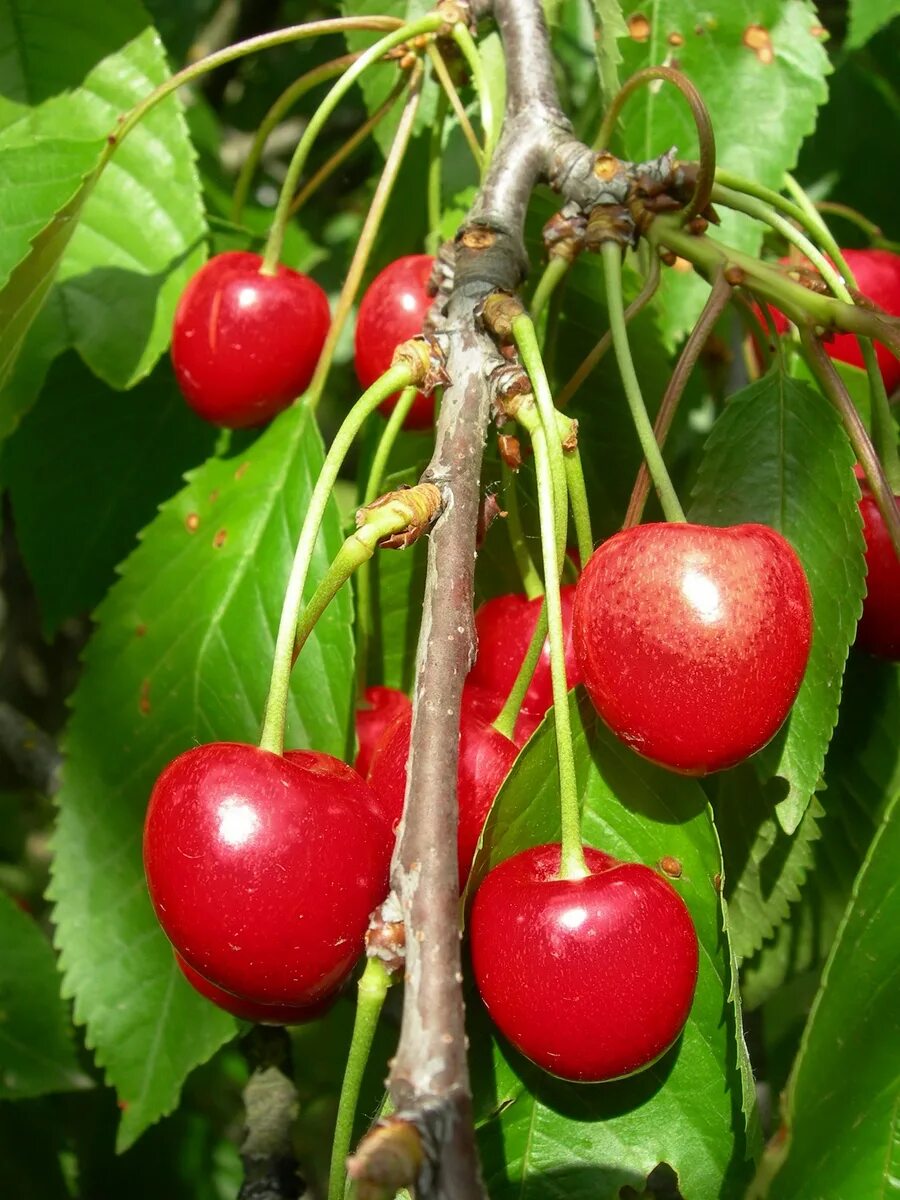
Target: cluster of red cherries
[{"x": 691, "y": 641}]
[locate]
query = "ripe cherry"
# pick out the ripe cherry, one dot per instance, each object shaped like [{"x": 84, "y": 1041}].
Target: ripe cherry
[
  {"x": 505, "y": 626},
  {"x": 485, "y": 757},
  {"x": 877, "y": 274},
  {"x": 488, "y": 705},
  {"x": 252, "y": 1010},
  {"x": 591, "y": 978},
  {"x": 693, "y": 640},
  {"x": 244, "y": 344},
  {"x": 381, "y": 708},
  {"x": 393, "y": 310},
  {"x": 263, "y": 869},
  {"x": 878, "y": 631}
]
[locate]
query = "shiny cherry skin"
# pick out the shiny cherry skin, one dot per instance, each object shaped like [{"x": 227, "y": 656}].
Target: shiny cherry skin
[
  {"x": 693, "y": 640},
  {"x": 488, "y": 705},
  {"x": 877, "y": 275},
  {"x": 392, "y": 311},
  {"x": 485, "y": 758},
  {"x": 252, "y": 1010},
  {"x": 263, "y": 869},
  {"x": 878, "y": 631},
  {"x": 591, "y": 978},
  {"x": 381, "y": 708},
  {"x": 244, "y": 344},
  {"x": 505, "y": 626}
]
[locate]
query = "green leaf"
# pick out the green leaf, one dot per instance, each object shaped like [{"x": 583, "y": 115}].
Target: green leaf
[
  {"x": 611, "y": 28},
  {"x": 847, "y": 1072},
  {"x": 125, "y": 245},
  {"x": 779, "y": 456},
  {"x": 182, "y": 655},
  {"x": 762, "y": 99},
  {"x": 139, "y": 444},
  {"x": 36, "y": 1050},
  {"x": 866, "y": 18},
  {"x": 540, "y": 1136}
]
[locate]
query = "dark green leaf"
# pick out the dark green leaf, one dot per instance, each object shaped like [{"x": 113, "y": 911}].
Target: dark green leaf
[
  {"x": 36, "y": 1050},
  {"x": 779, "y": 456},
  {"x": 138, "y": 445},
  {"x": 760, "y": 68},
  {"x": 847, "y": 1073},
  {"x": 542, "y": 1137},
  {"x": 182, "y": 655}
]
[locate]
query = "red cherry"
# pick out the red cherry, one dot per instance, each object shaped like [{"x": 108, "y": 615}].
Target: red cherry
[
  {"x": 877, "y": 274},
  {"x": 878, "y": 631},
  {"x": 244, "y": 345},
  {"x": 487, "y": 706},
  {"x": 592, "y": 978},
  {"x": 263, "y": 869},
  {"x": 693, "y": 640},
  {"x": 505, "y": 626},
  {"x": 485, "y": 757},
  {"x": 251, "y": 1010},
  {"x": 393, "y": 310},
  {"x": 382, "y": 707}
]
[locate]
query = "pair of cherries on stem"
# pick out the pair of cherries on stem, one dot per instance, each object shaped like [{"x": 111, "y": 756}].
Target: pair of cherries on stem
[{"x": 246, "y": 343}]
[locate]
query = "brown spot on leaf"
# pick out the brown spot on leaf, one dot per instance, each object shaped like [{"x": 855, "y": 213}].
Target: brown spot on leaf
[
  {"x": 242, "y": 470},
  {"x": 140, "y": 630},
  {"x": 675, "y": 39},
  {"x": 638, "y": 27},
  {"x": 192, "y": 522},
  {"x": 717, "y": 882},
  {"x": 757, "y": 39},
  {"x": 819, "y": 31},
  {"x": 220, "y": 538},
  {"x": 670, "y": 866},
  {"x": 144, "y": 698},
  {"x": 213, "y": 495}
]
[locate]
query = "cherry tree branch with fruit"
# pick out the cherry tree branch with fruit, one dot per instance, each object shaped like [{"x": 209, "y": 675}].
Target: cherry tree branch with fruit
[{"x": 500, "y": 716}]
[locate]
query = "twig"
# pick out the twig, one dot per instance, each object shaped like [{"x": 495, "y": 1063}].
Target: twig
[{"x": 270, "y": 1103}]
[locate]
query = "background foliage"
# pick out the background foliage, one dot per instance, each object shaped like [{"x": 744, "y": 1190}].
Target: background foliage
[{"x": 144, "y": 556}]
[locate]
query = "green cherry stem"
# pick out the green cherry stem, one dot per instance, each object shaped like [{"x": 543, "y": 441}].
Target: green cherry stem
[
  {"x": 371, "y": 991},
  {"x": 364, "y": 623},
  {"x": 578, "y": 503},
  {"x": 367, "y": 236},
  {"x": 285, "y": 102},
  {"x": 716, "y": 302},
  {"x": 528, "y": 572},
  {"x": 611, "y": 254},
  {"x": 434, "y": 191},
  {"x": 873, "y": 232},
  {"x": 641, "y": 300},
  {"x": 489, "y": 122},
  {"x": 505, "y": 721},
  {"x": 572, "y": 862},
  {"x": 397, "y": 377},
  {"x": 833, "y": 387},
  {"x": 450, "y": 90},
  {"x": 347, "y": 148},
  {"x": 272, "y": 255},
  {"x": 554, "y": 273}
]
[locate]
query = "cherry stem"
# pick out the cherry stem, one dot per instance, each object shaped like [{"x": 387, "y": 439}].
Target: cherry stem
[
  {"x": 364, "y": 624},
  {"x": 873, "y": 232},
  {"x": 264, "y": 41},
  {"x": 641, "y": 300},
  {"x": 371, "y": 991},
  {"x": 367, "y": 236},
  {"x": 347, "y": 148},
  {"x": 272, "y": 738},
  {"x": 450, "y": 90},
  {"x": 578, "y": 502},
  {"x": 356, "y": 551},
  {"x": 272, "y": 255},
  {"x": 611, "y": 254},
  {"x": 528, "y": 572},
  {"x": 505, "y": 722},
  {"x": 884, "y": 429},
  {"x": 705, "y": 136},
  {"x": 489, "y": 124},
  {"x": 435, "y": 175},
  {"x": 551, "y": 485},
  {"x": 282, "y": 105},
  {"x": 554, "y": 273},
  {"x": 715, "y": 305},
  {"x": 833, "y": 387}
]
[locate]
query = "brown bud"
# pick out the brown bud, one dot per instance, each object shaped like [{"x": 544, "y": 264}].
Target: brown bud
[
  {"x": 498, "y": 312},
  {"x": 570, "y": 441},
  {"x": 609, "y": 223},
  {"x": 388, "y": 1158},
  {"x": 510, "y": 450},
  {"x": 670, "y": 866},
  {"x": 488, "y": 513},
  {"x": 414, "y": 508},
  {"x": 425, "y": 359}
]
